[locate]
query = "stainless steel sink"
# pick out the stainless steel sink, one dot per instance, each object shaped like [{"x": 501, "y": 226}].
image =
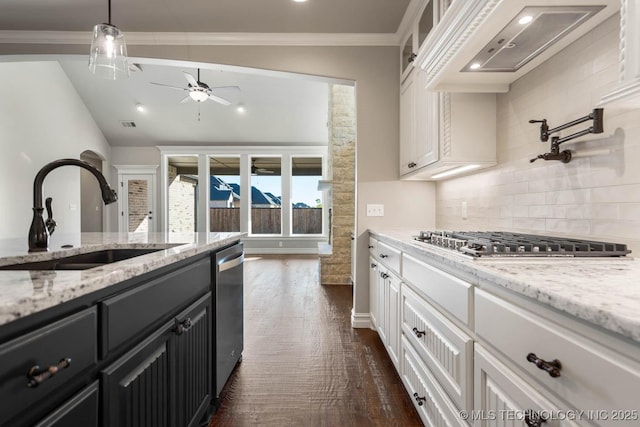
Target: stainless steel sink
[{"x": 83, "y": 261}]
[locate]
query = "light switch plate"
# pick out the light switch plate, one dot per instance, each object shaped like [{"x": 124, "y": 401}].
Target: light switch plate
[{"x": 375, "y": 210}]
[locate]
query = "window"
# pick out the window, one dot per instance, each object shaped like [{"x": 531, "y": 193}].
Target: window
[
  {"x": 224, "y": 191},
  {"x": 266, "y": 195},
  {"x": 306, "y": 200},
  {"x": 182, "y": 194}
]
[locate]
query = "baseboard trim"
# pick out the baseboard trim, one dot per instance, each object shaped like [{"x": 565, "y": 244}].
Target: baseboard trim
[{"x": 360, "y": 320}]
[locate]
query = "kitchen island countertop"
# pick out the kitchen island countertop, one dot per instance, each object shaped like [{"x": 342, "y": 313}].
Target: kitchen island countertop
[
  {"x": 27, "y": 292},
  {"x": 602, "y": 291}
]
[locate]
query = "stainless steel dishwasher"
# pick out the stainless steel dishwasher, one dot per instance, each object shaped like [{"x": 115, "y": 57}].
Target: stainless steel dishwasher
[{"x": 228, "y": 314}]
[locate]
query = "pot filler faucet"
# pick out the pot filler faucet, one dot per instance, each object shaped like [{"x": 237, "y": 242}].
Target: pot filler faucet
[
  {"x": 565, "y": 156},
  {"x": 40, "y": 230}
]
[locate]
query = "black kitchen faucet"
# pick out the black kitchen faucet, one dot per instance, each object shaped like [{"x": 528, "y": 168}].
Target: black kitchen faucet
[{"x": 40, "y": 231}]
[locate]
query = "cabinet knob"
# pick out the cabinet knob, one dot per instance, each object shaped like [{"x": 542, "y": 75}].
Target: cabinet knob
[
  {"x": 533, "y": 419},
  {"x": 412, "y": 57},
  {"x": 419, "y": 400},
  {"x": 412, "y": 165},
  {"x": 384, "y": 275},
  {"x": 374, "y": 265},
  {"x": 553, "y": 367},
  {"x": 384, "y": 256},
  {"x": 182, "y": 327},
  {"x": 371, "y": 246},
  {"x": 418, "y": 333},
  {"x": 36, "y": 375}
]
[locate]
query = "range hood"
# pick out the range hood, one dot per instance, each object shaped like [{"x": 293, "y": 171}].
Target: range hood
[{"x": 484, "y": 45}]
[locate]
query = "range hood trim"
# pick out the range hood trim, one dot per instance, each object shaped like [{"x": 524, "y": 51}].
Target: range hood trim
[{"x": 467, "y": 26}]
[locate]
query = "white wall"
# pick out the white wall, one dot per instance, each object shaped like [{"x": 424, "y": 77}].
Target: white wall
[
  {"x": 596, "y": 195},
  {"x": 41, "y": 119}
]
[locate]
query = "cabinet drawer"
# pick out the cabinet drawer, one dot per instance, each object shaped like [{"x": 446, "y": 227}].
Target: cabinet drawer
[
  {"x": 129, "y": 314},
  {"x": 73, "y": 337},
  {"x": 445, "y": 348},
  {"x": 80, "y": 410},
  {"x": 449, "y": 292},
  {"x": 503, "y": 399},
  {"x": 373, "y": 246},
  {"x": 435, "y": 409},
  {"x": 389, "y": 256},
  {"x": 592, "y": 377}
]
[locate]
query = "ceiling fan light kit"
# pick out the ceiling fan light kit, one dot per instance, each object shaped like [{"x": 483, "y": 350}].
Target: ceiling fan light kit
[
  {"x": 200, "y": 92},
  {"x": 108, "y": 55}
]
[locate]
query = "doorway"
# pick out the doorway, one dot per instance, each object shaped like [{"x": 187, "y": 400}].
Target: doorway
[{"x": 136, "y": 201}]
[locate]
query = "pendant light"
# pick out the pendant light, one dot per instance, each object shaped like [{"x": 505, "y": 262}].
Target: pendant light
[{"x": 108, "y": 56}]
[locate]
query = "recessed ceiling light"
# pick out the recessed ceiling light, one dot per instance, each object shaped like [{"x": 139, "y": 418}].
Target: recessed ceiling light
[
  {"x": 475, "y": 66},
  {"x": 240, "y": 109},
  {"x": 140, "y": 108},
  {"x": 525, "y": 20},
  {"x": 299, "y": 1}
]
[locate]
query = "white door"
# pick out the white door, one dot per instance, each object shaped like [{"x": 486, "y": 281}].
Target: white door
[{"x": 137, "y": 203}]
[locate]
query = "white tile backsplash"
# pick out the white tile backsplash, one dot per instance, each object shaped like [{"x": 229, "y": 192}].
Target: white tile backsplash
[{"x": 597, "y": 194}]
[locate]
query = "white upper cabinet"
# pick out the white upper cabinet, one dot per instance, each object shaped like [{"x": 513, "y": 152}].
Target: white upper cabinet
[
  {"x": 627, "y": 93},
  {"x": 484, "y": 45}
]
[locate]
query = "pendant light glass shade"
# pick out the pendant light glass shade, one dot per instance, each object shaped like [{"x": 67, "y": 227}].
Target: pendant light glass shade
[{"x": 108, "y": 57}]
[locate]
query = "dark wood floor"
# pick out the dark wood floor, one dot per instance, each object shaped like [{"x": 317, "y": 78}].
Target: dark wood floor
[{"x": 303, "y": 364}]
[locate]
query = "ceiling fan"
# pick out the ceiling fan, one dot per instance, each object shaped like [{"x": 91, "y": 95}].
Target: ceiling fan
[
  {"x": 255, "y": 170},
  {"x": 199, "y": 91}
]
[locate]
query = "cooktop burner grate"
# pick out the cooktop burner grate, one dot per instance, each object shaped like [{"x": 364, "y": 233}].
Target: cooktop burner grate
[{"x": 490, "y": 243}]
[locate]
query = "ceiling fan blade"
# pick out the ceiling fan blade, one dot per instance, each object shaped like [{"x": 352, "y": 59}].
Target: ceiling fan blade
[
  {"x": 226, "y": 89},
  {"x": 172, "y": 87},
  {"x": 219, "y": 100},
  {"x": 192, "y": 81},
  {"x": 185, "y": 100},
  {"x": 264, "y": 170}
]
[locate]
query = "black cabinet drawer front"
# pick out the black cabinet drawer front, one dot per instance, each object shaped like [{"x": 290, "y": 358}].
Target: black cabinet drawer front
[
  {"x": 73, "y": 337},
  {"x": 80, "y": 410},
  {"x": 138, "y": 311}
]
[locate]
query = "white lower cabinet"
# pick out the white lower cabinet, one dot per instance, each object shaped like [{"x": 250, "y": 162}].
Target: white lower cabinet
[
  {"x": 445, "y": 348},
  {"x": 502, "y": 399},
  {"x": 393, "y": 318},
  {"x": 435, "y": 409}
]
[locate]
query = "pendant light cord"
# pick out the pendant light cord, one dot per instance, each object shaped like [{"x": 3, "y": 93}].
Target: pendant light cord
[{"x": 109, "y": 2}]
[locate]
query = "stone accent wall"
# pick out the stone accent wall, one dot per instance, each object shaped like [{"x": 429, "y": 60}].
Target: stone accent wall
[
  {"x": 182, "y": 202},
  {"x": 336, "y": 268},
  {"x": 137, "y": 194}
]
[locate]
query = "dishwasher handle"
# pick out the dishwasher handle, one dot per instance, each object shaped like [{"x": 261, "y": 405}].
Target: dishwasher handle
[{"x": 228, "y": 264}]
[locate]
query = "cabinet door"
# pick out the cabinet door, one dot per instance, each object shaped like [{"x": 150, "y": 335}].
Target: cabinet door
[
  {"x": 191, "y": 347},
  {"x": 393, "y": 318},
  {"x": 373, "y": 291},
  {"x": 136, "y": 388},
  {"x": 426, "y": 122},
  {"x": 381, "y": 292},
  {"x": 80, "y": 410},
  {"x": 408, "y": 162},
  {"x": 502, "y": 399}
]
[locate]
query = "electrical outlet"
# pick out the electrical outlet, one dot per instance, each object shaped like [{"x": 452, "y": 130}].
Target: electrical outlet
[
  {"x": 375, "y": 210},
  {"x": 463, "y": 210}
]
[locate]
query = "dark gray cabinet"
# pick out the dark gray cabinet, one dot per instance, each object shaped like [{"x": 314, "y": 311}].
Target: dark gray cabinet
[
  {"x": 164, "y": 380},
  {"x": 80, "y": 410}
]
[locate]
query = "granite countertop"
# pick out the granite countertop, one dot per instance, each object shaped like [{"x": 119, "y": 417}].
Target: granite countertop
[
  {"x": 27, "y": 292},
  {"x": 601, "y": 291}
]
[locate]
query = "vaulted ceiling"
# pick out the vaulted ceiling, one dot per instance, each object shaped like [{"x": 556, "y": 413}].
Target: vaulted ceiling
[{"x": 269, "y": 99}]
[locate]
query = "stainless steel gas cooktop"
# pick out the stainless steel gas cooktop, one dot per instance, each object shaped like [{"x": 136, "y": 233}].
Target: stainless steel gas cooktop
[{"x": 505, "y": 244}]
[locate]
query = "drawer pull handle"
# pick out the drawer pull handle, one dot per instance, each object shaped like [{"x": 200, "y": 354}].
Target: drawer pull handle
[
  {"x": 419, "y": 400},
  {"x": 553, "y": 367},
  {"x": 182, "y": 327},
  {"x": 418, "y": 333},
  {"x": 384, "y": 275},
  {"x": 371, "y": 246},
  {"x": 412, "y": 165},
  {"x": 373, "y": 265},
  {"x": 384, "y": 256},
  {"x": 37, "y": 376},
  {"x": 533, "y": 419}
]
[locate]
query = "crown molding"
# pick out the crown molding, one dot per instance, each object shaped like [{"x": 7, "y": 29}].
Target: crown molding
[{"x": 207, "y": 39}]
